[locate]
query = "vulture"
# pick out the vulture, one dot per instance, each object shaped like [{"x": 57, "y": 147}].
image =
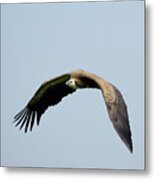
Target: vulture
[{"x": 52, "y": 91}]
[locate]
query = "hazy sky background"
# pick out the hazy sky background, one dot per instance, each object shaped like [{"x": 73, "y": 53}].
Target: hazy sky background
[{"x": 40, "y": 41}]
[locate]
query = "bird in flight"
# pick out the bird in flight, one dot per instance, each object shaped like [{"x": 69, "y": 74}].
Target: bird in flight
[{"x": 52, "y": 91}]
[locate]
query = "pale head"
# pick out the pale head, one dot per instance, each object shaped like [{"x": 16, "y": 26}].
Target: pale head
[{"x": 72, "y": 84}]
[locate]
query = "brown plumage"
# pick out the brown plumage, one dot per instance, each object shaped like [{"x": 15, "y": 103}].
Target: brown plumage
[{"x": 51, "y": 93}]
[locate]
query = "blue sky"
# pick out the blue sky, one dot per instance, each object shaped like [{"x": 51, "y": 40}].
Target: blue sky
[{"x": 40, "y": 41}]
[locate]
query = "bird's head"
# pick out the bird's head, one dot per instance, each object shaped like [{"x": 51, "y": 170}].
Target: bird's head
[{"x": 72, "y": 84}]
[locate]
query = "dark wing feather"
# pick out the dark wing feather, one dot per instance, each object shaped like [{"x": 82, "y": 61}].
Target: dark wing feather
[
  {"x": 118, "y": 114},
  {"x": 49, "y": 94}
]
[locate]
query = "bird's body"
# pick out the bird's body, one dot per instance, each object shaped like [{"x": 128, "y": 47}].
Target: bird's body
[{"x": 51, "y": 93}]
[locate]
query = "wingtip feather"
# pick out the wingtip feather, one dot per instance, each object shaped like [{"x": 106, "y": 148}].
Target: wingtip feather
[{"x": 25, "y": 118}]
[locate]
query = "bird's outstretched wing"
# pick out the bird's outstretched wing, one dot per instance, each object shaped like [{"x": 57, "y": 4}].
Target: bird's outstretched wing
[
  {"x": 49, "y": 94},
  {"x": 114, "y": 101},
  {"x": 117, "y": 111}
]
